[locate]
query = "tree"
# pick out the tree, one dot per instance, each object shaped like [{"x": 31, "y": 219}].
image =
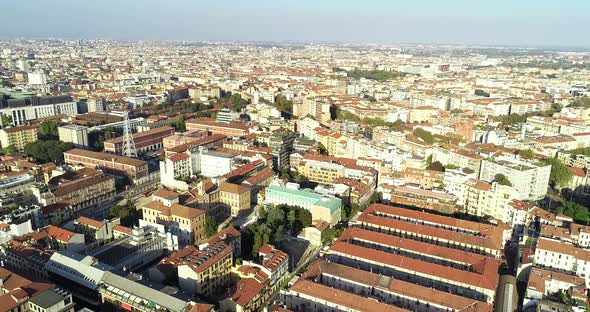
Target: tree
[
  {"x": 128, "y": 213},
  {"x": 276, "y": 217},
  {"x": 527, "y": 154},
  {"x": 291, "y": 217},
  {"x": 45, "y": 151},
  {"x": 6, "y": 84},
  {"x": 579, "y": 213},
  {"x": 560, "y": 175},
  {"x": 9, "y": 150},
  {"x": 426, "y": 136},
  {"x": 436, "y": 166},
  {"x": 581, "y": 151},
  {"x": 210, "y": 226},
  {"x": 48, "y": 130},
  {"x": 480, "y": 92},
  {"x": 502, "y": 179},
  {"x": 6, "y": 120},
  {"x": 376, "y": 197}
]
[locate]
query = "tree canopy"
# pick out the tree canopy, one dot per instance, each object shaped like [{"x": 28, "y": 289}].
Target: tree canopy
[
  {"x": 575, "y": 211},
  {"x": 560, "y": 174},
  {"x": 48, "y": 130},
  {"x": 502, "y": 179},
  {"x": 426, "y": 136},
  {"x": 210, "y": 226},
  {"x": 46, "y": 151},
  {"x": 436, "y": 166},
  {"x": 379, "y": 75}
]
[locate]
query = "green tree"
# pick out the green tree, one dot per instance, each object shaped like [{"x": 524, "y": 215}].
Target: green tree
[
  {"x": 48, "y": 130},
  {"x": 6, "y": 84},
  {"x": 426, "y": 136},
  {"x": 127, "y": 212},
  {"x": 276, "y": 217},
  {"x": 436, "y": 166},
  {"x": 502, "y": 179},
  {"x": 480, "y": 92},
  {"x": 581, "y": 151},
  {"x": 9, "y": 150},
  {"x": 210, "y": 226},
  {"x": 560, "y": 174},
  {"x": 575, "y": 211},
  {"x": 6, "y": 120},
  {"x": 527, "y": 154},
  {"x": 44, "y": 151}
]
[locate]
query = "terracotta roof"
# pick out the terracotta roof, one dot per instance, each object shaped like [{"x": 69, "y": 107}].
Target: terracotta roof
[
  {"x": 120, "y": 228},
  {"x": 90, "y": 222},
  {"x": 488, "y": 278},
  {"x": 233, "y": 188},
  {"x": 58, "y": 233},
  {"x": 342, "y": 298}
]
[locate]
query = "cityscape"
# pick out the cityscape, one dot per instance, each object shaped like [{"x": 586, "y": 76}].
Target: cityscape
[{"x": 305, "y": 168}]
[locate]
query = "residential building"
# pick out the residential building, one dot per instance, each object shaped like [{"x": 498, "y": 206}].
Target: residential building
[
  {"x": 185, "y": 222},
  {"x": 489, "y": 199},
  {"x": 232, "y": 129},
  {"x": 204, "y": 271},
  {"x": 528, "y": 178},
  {"x": 236, "y": 197},
  {"x": 75, "y": 134},
  {"x": 18, "y": 137}
]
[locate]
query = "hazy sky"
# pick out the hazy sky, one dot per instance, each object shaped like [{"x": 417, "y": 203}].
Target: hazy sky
[{"x": 515, "y": 22}]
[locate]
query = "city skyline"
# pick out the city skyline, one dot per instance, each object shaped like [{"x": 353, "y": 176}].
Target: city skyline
[{"x": 525, "y": 23}]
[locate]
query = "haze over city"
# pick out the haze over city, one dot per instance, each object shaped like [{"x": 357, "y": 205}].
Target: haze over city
[
  {"x": 294, "y": 156},
  {"x": 503, "y": 22}
]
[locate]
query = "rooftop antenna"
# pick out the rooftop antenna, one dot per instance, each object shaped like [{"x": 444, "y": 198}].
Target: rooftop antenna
[{"x": 128, "y": 144}]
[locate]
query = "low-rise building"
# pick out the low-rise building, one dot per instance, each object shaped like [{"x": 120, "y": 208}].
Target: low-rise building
[
  {"x": 322, "y": 207},
  {"x": 150, "y": 140},
  {"x": 236, "y": 197}
]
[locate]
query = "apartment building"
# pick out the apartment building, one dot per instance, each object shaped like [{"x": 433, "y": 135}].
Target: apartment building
[
  {"x": 82, "y": 192},
  {"x": 426, "y": 179},
  {"x": 150, "y": 140},
  {"x": 204, "y": 271},
  {"x": 186, "y": 222},
  {"x": 489, "y": 199},
  {"x": 116, "y": 165},
  {"x": 236, "y": 197},
  {"x": 19, "y": 294},
  {"x": 558, "y": 255},
  {"x": 183, "y": 138},
  {"x": 18, "y": 137},
  {"x": 75, "y": 134},
  {"x": 528, "y": 178}
]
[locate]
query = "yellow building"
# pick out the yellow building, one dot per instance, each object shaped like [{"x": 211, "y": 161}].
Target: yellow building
[
  {"x": 203, "y": 271},
  {"x": 185, "y": 222},
  {"x": 18, "y": 136},
  {"x": 236, "y": 197}
]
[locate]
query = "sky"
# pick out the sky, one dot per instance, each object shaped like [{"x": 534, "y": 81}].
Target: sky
[{"x": 473, "y": 22}]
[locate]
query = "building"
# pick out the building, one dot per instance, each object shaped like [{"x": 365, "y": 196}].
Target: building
[
  {"x": 132, "y": 296},
  {"x": 185, "y": 222},
  {"x": 18, "y": 137},
  {"x": 18, "y": 293},
  {"x": 204, "y": 271},
  {"x": 232, "y": 129},
  {"x": 87, "y": 189},
  {"x": 530, "y": 179},
  {"x": 489, "y": 199},
  {"x": 94, "y": 230},
  {"x": 135, "y": 251},
  {"x": 75, "y": 134},
  {"x": 22, "y": 110},
  {"x": 236, "y": 197},
  {"x": 117, "y": 165},
  {"x": 487, "y": 239},
  {"x": 150, "y": 140},
  {"x": 322, "y": 207},
  {"x": 562, "y": 256}
]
